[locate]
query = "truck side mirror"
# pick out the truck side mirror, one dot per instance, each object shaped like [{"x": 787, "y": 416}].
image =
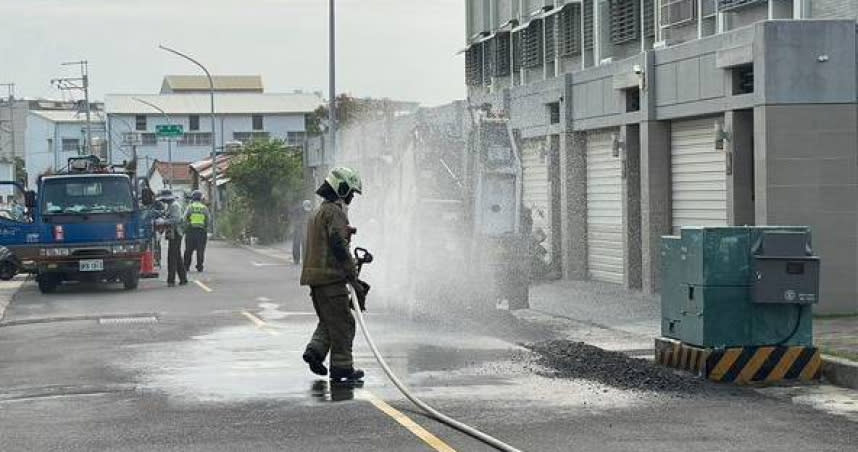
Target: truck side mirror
[
  {"x": 147, "y": 197},
  {"x": 30, "y": 199}
]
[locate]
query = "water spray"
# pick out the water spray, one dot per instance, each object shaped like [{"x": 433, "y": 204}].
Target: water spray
[{"x": 362, "y": 256}]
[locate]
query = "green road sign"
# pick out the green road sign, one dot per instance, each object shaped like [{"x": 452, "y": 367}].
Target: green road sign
[{"x": 170, "y": 130}]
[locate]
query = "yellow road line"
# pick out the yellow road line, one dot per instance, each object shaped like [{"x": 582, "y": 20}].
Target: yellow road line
[
  {"x": 203, "y": 286},
  {"x": 403, "y": 420},
  {"x": 261, "y": 324}
]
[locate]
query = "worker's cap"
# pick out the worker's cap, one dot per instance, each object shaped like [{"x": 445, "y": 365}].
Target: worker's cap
[{"x": 165, "y": 195}]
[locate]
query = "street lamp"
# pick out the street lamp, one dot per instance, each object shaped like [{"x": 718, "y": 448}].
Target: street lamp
[
  {"x": 213, "y": 186},
  {"x": 169, "y": 141}
]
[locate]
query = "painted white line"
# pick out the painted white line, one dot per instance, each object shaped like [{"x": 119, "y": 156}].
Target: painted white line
[
  {"x": 260, "y": 323},
  {"x": 266, "y": 264},
  {"x": 203, "y": 286}
]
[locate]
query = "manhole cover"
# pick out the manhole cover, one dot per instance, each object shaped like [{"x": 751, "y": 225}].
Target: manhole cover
[{"x": 126, "y": 320}]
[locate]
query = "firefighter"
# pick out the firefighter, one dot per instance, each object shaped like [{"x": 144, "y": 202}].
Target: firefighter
[
  {"x": 328, "y": 268},
  {"x": 197, "y": 221},
  {"x": 173, "y": 225}
]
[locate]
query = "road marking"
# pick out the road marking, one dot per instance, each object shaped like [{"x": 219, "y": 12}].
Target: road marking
[
  {"x": 261, "y": 324},
  {"x": 403, "y": 420},
  {"x": 266, "y": 264},
  {"x": 203, "y": 286}
]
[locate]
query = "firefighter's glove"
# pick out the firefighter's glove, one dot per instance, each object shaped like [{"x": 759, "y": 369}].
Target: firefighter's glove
[{"x": 361, "y": 289}]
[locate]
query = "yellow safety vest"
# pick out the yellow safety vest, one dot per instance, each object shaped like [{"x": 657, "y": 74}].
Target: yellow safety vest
[{"x": 198, "y": 215}]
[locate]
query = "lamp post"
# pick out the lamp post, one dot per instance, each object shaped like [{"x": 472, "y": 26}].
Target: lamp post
[
  {"x": 213, "y": 186},
  {"x": 169, "y": 141},
  {"x": 332, "y": 72}
]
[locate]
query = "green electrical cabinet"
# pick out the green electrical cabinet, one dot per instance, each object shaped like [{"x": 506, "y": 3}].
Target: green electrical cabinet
[{"x": 739, "y": 286}]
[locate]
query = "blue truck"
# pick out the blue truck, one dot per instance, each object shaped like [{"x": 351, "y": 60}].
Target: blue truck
[{"x": 85, "y": 224}]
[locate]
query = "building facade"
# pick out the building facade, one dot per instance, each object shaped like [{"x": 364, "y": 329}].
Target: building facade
[
  {"x": 241, "y": 114},
  {"x": 638, "y": 117},
  {"x": 52, "y": 136}
]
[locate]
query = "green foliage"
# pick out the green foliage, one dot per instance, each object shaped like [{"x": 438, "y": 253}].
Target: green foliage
[
  {"x": 234, "y": 221},
  {"x": 267, "y": 177},
  {"x": 20, "y": 170}
]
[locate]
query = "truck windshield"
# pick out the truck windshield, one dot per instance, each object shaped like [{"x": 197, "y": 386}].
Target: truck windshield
[{"x": 86, "y": 195}]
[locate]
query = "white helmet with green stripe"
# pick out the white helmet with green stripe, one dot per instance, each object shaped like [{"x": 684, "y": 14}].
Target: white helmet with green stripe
[{"x": 344, "y": 181}]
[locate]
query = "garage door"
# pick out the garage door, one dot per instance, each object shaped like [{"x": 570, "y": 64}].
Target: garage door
[
  {"x": 604, "y": 210},
  {"x": 536, "y": 192},
  {"x": 698, "y": 180}
]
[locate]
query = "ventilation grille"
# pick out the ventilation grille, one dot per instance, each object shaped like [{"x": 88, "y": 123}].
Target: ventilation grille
[
  {"x": 724, "y": 5},
  {"x": 550, "y": 37},
  {"x": 502, "y": 49},
  {"x": 473, "y": 65},
  {"x": 625, "y": 21},
  {"x": 569, "y": 30},
  {"x": 532, "y": 45},
  {"x": 488, "y": 60},
  {"x": 588, "y": 24}
]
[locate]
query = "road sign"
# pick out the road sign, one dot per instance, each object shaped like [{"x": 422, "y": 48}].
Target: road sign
[{"x": 169, "y": 130}]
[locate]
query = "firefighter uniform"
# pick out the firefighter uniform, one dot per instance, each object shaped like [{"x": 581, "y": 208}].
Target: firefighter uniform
[
  {"x": 196, "y": 236},
  {"x": 328, "y": 267}
]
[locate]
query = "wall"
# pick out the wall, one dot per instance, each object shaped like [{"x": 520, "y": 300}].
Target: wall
[
  {"x": 40, "y": 157},
  {"x": 834, "y": 9}
]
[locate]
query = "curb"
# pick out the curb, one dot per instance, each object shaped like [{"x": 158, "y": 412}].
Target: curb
[{"x": 840, "y": 371}]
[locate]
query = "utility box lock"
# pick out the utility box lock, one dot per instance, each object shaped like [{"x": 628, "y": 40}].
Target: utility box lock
[{"x": 785, "y": 269}]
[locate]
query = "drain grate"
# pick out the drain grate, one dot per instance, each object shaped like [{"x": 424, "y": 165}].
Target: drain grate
[{"x": 126, "y": 320}]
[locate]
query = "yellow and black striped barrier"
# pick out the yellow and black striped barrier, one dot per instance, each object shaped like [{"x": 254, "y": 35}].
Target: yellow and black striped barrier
[{"x": 742, "y": 365}]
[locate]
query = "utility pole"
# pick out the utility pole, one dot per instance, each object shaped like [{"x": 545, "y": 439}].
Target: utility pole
[
  {"x": 79, "y": 84},
  {"x": 332, "y": 72},
  {"x": 11, "y": 100}
]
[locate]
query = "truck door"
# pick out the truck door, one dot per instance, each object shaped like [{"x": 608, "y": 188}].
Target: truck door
[{"x": 18, "y": 232}]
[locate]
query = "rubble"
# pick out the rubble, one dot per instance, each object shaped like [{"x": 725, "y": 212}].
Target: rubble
[{"x": 570, "y": 359}]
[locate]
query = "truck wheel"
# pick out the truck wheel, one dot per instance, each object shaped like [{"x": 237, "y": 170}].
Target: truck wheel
[
  {"x": 48, "y": 283},
  {"x": 8, "y": 270},
  {"x": 131, "y": 280}
]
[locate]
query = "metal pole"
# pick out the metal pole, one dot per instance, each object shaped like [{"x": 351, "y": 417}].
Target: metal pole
[
  {"x": 11, "y": 100},
  {"x": 169, "y": 141},
  {"x": 86, "y": 100},
  {"x": 332, "y": 91},
  {"x": 213, "y": 185}
]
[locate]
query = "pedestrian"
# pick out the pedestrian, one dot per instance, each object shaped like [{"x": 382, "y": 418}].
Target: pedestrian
[
  {"x": 328, "y": 268},
  {"x": 173, "y": 225},
  {"x": 299, "y": 229},
  {"x": 197, "y": 218}
]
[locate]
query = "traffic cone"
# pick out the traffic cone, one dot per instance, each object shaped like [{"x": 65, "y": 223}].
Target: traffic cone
[{"x": 147, "y": 265}]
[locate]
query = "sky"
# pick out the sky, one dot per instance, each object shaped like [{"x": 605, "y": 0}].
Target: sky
[{"x": 399, "y": 49}]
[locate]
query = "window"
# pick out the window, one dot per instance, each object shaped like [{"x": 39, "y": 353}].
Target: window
[
  {"x": 743, "y": 79},
  {"x": 550, "y": 37},
  {"x": 257, "y": 122},
  {"x": 196, "y": 139},
  {"x": 148, "y": 139},
  {"x": 87, "y": 195},
  {"x": 516, "y": 51},
  {"x": 194, "y": 122},
  {"x": 588, "y": 24},
  {"x": 633, "y": 99},
  {"x": 295, "y": 138},
  {"x": 247, "y": 137},
  {"x": 71, "y": 145},
  {"x": 488, "y": 61},
  {"x": 554, "y": 112},
  {"x": 140, "y": 122},
  {"x": 677, "y": 12},
  {"x": 569, "y": 30}
]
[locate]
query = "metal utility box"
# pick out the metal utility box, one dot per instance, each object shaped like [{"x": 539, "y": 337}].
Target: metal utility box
[{"x": 739, "y": 286}]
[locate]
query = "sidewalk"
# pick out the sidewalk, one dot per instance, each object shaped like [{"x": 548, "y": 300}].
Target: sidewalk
[
  {"x": 617, "y": 319},
  {"x": 8, "y": 289}
]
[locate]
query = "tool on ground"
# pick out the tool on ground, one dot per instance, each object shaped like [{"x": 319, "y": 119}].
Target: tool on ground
[{"x": 362, "y": 256}]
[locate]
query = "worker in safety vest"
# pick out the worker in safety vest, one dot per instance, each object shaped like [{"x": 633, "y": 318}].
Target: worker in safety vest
[
  {"x": 197, "y": 221},
  {"x": 328, "y": 268}
]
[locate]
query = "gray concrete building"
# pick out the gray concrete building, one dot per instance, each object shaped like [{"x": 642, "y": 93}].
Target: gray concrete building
[{"x": 638, "y": 117}]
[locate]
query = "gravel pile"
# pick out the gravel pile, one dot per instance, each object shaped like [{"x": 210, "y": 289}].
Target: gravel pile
[{"x": 568, "y": 359}]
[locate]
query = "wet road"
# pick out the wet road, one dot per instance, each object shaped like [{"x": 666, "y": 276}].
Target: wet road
[{"x": 216, "y": 365}]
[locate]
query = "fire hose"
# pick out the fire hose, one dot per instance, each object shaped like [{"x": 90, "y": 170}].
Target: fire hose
[{"x": 362, "y": 256}]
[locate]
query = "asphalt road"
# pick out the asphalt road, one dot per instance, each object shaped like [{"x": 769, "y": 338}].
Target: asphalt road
[{"x": 216, "y": 365}]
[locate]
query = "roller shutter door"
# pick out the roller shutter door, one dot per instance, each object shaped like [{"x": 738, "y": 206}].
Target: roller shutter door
[
  {"x": 698, "y": 175},
  {"x": 536, "y": 191},
  {"x": 604, "y": 210}
]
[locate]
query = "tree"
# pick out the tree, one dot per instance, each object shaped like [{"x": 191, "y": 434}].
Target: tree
[
  {"x": 267, "y": 175},
  {"x": 353, "y": 109}
]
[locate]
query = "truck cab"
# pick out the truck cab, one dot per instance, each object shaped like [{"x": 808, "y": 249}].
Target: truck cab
[{"x": 89, "y": 227}]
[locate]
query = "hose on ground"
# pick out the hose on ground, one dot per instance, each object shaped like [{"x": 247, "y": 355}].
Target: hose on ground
[{"x": 466, "y": 429}]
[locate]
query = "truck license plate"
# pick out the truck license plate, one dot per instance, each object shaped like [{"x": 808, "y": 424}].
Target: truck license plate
[{"x": 92, "y": 265}]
